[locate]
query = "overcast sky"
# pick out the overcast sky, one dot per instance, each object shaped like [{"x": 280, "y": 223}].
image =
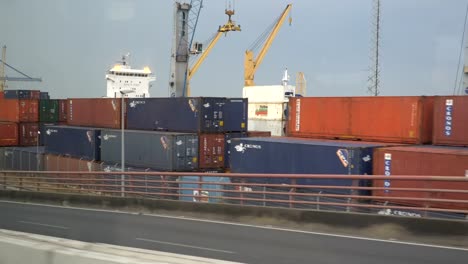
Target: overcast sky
[{"x": 71, "y": 44}]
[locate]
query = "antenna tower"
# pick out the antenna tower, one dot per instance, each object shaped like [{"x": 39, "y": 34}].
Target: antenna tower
[{"x": 374, "y": 76}]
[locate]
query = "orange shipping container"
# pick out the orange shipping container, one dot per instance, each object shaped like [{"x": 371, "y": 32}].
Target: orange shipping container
[
  {"x": 451, "y": 121},
  {"x": 422, "y": 161},
  {"x": 403, "y": 119},
  {"x": 96, "y": 112},
  {"x": 19, "y": 110},
  {"x": 8, "y": 134}
]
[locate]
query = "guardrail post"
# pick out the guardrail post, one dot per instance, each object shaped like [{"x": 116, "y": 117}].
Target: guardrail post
[
  {"x": 318, "y": 200},
  {"x": 241, "y": 189},
  {"x": 292, "y": 190},
  {"x": 4, "y": 180}
]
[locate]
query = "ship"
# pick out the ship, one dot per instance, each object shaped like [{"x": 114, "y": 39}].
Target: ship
[{"x": 123, "y": 80}]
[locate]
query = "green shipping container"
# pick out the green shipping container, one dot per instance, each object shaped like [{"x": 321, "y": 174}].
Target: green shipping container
[{"x": 48, "y": 111}]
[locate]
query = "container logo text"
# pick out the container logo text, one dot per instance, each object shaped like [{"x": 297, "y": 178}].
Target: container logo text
[
  {"x": 107, "y": 137},
  {"x": 448, "y": 117},
  {"x": 387, "y": 169},
  {"x": 243, "y": 147},
  {"x": 262, "y": 110},
  {"x": 50, "y": 131},
  {"x": 298, "y": 114},
  {"x": 343, "y": 155},
  {"x": 133, "y": 104}
]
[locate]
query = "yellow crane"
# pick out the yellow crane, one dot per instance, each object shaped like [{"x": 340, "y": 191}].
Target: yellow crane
[
  {"x": 250, "y": 63},
  {"x": 229, "y": 26}
]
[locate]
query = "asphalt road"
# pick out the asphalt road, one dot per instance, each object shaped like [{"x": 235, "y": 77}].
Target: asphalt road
[{"x": 225, "y": 241}]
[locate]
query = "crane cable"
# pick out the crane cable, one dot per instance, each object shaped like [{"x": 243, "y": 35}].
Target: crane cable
[
  {"x": 262, "y": 38},
  {"x": 16, "y": 70}
]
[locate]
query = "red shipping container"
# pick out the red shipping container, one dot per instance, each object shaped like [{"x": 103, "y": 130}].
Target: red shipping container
[
  {"x": 19, "y": 110},
  {"x": 8, "y": 134},
  {"x": 28, "y": 135},
  {"x": 422, "y": 161},
  {"x": 211, "y": 151},
  {"x": 403, "y": 119},
  {"x": 451, "y": 121},
  {"x": 96, "y": 112},
  {"x": 62, "y": 109}
]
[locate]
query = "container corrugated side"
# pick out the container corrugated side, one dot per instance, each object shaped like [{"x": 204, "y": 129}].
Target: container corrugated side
[
  {"x": 78, "y": 142},
  {"x": 63, "y": 110},
  {"x": 167, "y": 151},
  {"x": 400, "y": 119},
  {"x": 22, "y": 158},
  {"x": 450, "y": 121},
  {"x": 422, "y": 161},
  {"x": 8, "y": 134},
  {"x": 28, "y": 134},
  {"x": 211, "y": 152},
  {"x": 94, "y": 112},
  {"x": 19, "y": 110},
  {"x": 236, "y": 114},
  {"x": 48, "y": 111},
  {"x": 193, "y": 115},
  {"x": 227, "y": 145}
]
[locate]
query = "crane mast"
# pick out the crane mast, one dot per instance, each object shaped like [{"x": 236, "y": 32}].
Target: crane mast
[
  {"x": 4, "y": 78},
  {"x": 250, "y": 63}
]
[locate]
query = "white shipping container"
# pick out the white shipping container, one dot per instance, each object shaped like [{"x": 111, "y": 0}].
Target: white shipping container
[
  {"x": 267, "y": 111},
  {"x": 276, "y": 127},
  {"x": 264, "y": 94}
]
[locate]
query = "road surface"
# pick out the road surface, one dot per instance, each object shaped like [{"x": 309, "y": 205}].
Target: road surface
[{"x": 233, "y": 242}]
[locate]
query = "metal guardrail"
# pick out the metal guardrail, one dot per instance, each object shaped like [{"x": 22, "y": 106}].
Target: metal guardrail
[{"x": 250, "y": 190}]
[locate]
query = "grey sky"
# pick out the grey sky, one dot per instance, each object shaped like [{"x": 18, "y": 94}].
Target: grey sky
[{"x": 71, "y": 44}]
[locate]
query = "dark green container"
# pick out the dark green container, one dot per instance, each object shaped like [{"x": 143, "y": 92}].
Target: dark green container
[{"x": 48, "y": 111}]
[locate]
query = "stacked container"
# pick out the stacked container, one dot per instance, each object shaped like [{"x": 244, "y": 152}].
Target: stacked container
[
  {"x": 423, "y": 161},
  {"x": 94, "y": 112},
  {"x": 401, "y": 119},
  {"x": 8, "y": 134},
  {"x": 451, "y": 121}
]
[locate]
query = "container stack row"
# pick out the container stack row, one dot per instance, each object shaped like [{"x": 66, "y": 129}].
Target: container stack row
[{"x": 414, "y": 135}]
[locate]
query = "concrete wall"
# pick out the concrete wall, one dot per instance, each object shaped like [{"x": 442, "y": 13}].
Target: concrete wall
[{"x": 19, "y": 247}]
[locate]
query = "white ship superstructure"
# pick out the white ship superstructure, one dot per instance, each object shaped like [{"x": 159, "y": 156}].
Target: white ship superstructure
[{"x": 134, "y": 82}]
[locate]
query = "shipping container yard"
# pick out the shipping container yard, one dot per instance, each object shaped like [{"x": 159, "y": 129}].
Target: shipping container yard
[{"x": 331, "y": 135}]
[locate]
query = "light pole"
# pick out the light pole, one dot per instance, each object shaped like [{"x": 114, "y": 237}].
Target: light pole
[
  {"x": 122, "y": 137},
  {"x": 37, "y": 151}
]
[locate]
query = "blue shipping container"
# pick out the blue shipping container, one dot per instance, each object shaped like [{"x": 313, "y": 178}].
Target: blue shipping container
[
  {"x": 17, "y": 94},
  {"x": 227, "y": 145},
  {"x": 196, "y": 115},
  {"x": 42, "y": 129},
  {"x": 78, "y": 142},
  {"x": 202, "y": 192},
  {"x": 303, "y": 156},
  {"x": 235, "y": 115}
]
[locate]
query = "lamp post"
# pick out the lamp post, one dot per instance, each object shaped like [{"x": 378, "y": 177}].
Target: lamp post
[
  {"x": 122, "y": 137},
  {"x": 38, "y": 161}
]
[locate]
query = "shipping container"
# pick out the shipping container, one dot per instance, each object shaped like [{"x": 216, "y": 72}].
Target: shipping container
[
  {"x": 227, "y": 145},
  {"x": 207, "y": 192},
  {"x": 44, "y": 96},
  {"x": 235, "y": 115},
  {"x": 35, "y": 95},
  {"x": 28, "y": 134},
  {"x": 303, "y": 156},
  {"x": 94, "y": 112},
  {"x": 17, "y": 94},
  {"x": 194, "y": 115},
  {"x": 8, "y": 134},
  {"x": 78, "y": 142},
  {"x": 63, "y": 110},
  {"x": 451, "y": 121},
  {"x": 22, "y": 158},
  {"x": 422, "y": 161},
  {"x": 167, "y": 151},
  {"x": 42, "y": 132},
  {"x": 211, "y": 151},
  {"x": 403, "y": 119},
  {"x": 275, "y": 127},
  {"x": 19, "y": 110},
  {"x": 48, "y": 111}
]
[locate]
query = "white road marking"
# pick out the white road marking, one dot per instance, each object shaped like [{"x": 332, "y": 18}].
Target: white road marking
[
  {"x": 183, "y": 245},
  {"x": 247, "y": 225},
  {"x": 46, "y": 225}
]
